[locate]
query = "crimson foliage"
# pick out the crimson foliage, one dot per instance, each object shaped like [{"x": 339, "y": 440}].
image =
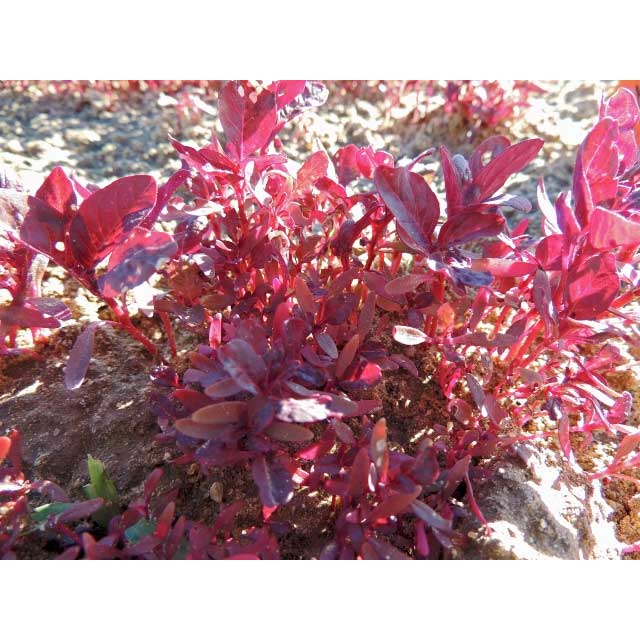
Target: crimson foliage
[{"x": 295, "y": 282}]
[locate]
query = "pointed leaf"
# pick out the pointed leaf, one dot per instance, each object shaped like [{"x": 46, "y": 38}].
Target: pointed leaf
[
  {"x": 359, "y": 476},
  {"x": 247, "y": 119},
  {"x": 243, "y": 364},
  {"x": 58, "y": 192},
  {"x": 80, "y": 356},
  {"x": 273, "y": 480},
  {"x": 470, "y": 227},
  {"x": 347, "y": 355},
  {"x": 326, "y": 343},
  {"x": 378, "y": 448},
  {"x": 395, "y": 504},
  {"x": 512, "y": 160},
  {"x": 412, "y": 202}
]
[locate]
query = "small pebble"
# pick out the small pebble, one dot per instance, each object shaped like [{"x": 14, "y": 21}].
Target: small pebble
[
  {"x": 216, "y": 492},
  {"x": 15, "y": 146}
]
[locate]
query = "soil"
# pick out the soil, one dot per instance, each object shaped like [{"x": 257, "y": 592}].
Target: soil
[{"x": 101, "y": 138}]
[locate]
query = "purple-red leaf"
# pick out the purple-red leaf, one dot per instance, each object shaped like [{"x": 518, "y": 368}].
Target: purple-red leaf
[
  {"x": 470, "y": 227},
  {"x": 80, "y": 356},
  {"x": 592, "y": 286},
  {"x": 228, "y": 412},
  {"x": 273, "y": 480},
  {"x": 360, "y": 473},
  {"x": 513, "y": 159},
  {"x": 248, "y": 118},
  {"x": 107, "y": 216},
  {"x": 347, "y": 355},
  {"x": 243, "y": 364},
  {"x": 288, "y": 432},
  {"x": 58, "y": 192},
  {"x": 395, "y": 504},
  {"x": 503, "y": 267},
  {"x": 431, "y": 517},
  {"x": 412, "y": 202},
  {"x": 327, "y": 344},
  {"x": 378, "y": 449},
  {"x": 608, "y": 229},
  {"x": 133, "y": 262},
  {"x": 406, "y": 284}
]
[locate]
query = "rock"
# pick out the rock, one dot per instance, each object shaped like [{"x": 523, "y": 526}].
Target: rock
[
  {"x": 15, "y": 146},
  {"x": 37, "y": 147},
  {"x": 540, "y": 507},
  {"x": 216, "y": 492},
  {"x": 82, "y": 136}
]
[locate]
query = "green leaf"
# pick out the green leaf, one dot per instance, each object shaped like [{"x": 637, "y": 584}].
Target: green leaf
[
  {"x": 101, "y": 485},
  {"x": 41, "y": 513},
  {"x": 139, "y": 530}
]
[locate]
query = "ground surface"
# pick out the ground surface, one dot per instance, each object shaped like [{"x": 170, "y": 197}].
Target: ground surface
[{"x": 101, "y": 138}]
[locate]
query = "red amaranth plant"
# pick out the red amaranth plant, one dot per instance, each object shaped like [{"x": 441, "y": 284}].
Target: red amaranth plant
[{"x": 305, "y": 293}]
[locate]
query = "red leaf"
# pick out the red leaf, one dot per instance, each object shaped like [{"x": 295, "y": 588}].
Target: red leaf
[
  {"x": 626, "y": 446},
  {"x": 201, "y": 430},
  {"x": 304, "y": 295},
  {"x": 513, "y": 159},
  {"x": 367, "y": 314},
  {"x": 314, "y": 168},
  {"x": 247, "y": 119},
  {"x": 347, "y": 355},
  {"x": 273, "y": 480},
  {"x": 314, "y": 409},
  {"x": 504, "y": 268},
  {"x": 107, "y": 216},
  {"x": 549, "y": 252},
  {"x": 5, "y": 445},
  {"x": 288, "y": 432},
  {"x": 326, "y": 343},
  {"x": 592, "y": 286},
  {"x": 412, "y": 202},
  {"x": 228, "y": 412},
  {"x": 43, "y": 228},
  {"x": 58, "y": 192},
  {"x": 134, "y": 261},
  {"x": 430, "y": 516},
  {"x": 375, "y": 549},
  {"x": 608, "y": 229},
  {"x": 394, "y": 505},
  {"x": 21, "y": 316},
  {"x": 451, "y": 182},
  {"x": 378, "y": 449},
  {"x": 286, "y": 90},
  {"x": 543, "y": 300},
  {"x": 470, "y": 227},
  {"x": 81, "y": 510},
  {"x": 406, "y": 284},
  {"x": 597, "y": 158},
  {"x": 223, "y": 388},
  {"x": 563, "y": 437},
  {"x": 243, "y": 364},
  {"x": 80, "y": 356},
  {"x": 359, "y": 476}
]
